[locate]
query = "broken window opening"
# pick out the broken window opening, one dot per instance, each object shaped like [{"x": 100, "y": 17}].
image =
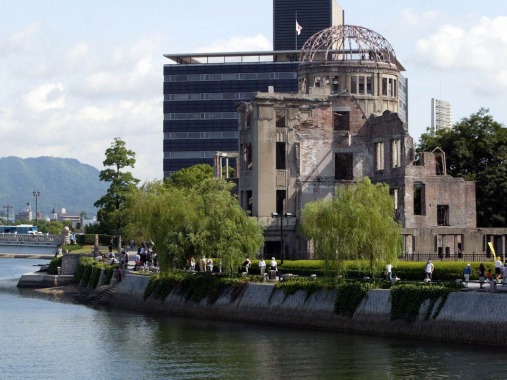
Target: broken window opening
[
  {"x": 280, "y": 201},
  {"x": 280, "y": 118},
  {"x": 396, "y": 153},
  {"x": 394, "y": 193},
  {"x": 280, "y": 156},
  {"x": 361, "y": 84},
  {"x": 247, "y": 156},
  {"x": 336, "y": 85},
  {"x": 369, "y": 85},
  {"x": 384, "y": 86},
  {"x": 249, "y": 201},
  {"x": 443, "y": 215},
  {"x": 344, "y": 166},
  {"x": 353, "y": 84},
  {"x": 379, "y": 156},
  {"x": 419, "y": 199},
  {"x": 440, "y": 164},
  {"x": 341, "y": 121}
]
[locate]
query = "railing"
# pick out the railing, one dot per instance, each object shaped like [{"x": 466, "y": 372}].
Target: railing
[
  {"x": 26, "y": 239},
  {"x": 465, "y": 257}
]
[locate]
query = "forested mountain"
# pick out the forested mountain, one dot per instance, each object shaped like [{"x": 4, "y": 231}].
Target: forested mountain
[{"x": 62, "y": 183}]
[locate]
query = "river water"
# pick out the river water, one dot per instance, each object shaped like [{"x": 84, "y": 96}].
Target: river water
[{"x": 44, "y": 339}]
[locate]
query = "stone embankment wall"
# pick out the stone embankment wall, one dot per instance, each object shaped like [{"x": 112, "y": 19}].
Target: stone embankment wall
[
  {"x": 43, "y": 280},
  {"x": 469, "y": 317}
]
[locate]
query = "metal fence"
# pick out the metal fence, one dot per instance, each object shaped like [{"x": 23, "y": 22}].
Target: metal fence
[{"x": 465, "y": 257}]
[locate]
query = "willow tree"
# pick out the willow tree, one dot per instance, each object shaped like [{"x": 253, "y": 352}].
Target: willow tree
[
  {"x": 358, "y": 224},
  {"x": 203, "y": 220},
  {"x": 229, "y": 234}
]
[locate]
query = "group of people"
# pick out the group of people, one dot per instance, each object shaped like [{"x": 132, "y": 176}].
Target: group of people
[
  {"x": 145, "y": 257},
  {"x": 262, "y": 265},
  {"x": 206, "y": 265},
  {"x": 203, "y": 265}
]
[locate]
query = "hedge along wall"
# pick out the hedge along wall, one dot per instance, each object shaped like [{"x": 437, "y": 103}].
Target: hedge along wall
[{"x": 456, "y": 319}]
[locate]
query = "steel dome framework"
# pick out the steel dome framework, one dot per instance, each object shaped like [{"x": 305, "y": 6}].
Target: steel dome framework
[{"x": 347, "y": 42}]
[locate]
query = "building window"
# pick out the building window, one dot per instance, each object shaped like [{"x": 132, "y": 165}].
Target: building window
[
  {"x": 247, "y": 156},
  {"x": 353, "y": 84},
  {"x": 280, "y": 156},
  {"x": 396, "y": 153},
  {"x": 249, "y": 201},
  {"x": 280, "y": 118},
  {"x": 369, "y": 85},
  {"x": 343, "y": 164},
  {"x": 341, "y": 121},
  {"x": 361, "y": 84},
  {"x": 336, "y": 85},
  {"x": 443, "y": 215},
  {"x": 280, "y": 201},
  {"x": 394, "y": 194},
  {"x": 419, "y": 199},
  {"x": 379, "y": 156}
]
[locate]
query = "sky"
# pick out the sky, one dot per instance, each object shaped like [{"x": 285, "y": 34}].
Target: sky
[{"x": 76, "y": 74}]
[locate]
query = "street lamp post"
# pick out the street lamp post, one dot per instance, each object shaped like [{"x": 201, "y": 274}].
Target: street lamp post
[
  {"x": 8, "y": 207},
  {"x": 281, "y": 216},
  {"x": 36, "y": 195}
]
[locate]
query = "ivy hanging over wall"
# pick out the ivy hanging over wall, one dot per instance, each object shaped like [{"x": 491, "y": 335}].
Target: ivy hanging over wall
[{"x": 406, "y": 300}]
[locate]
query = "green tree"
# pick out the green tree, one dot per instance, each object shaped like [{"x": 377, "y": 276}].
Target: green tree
[
  {"x": 123, "y": 184},
  {"x": 191, "y": 176},
  {"x": 358, "y": 224},
  {"x": 203, "y": 219},
  {"x": 476, "y": 150},
  {"x": 53, "y": 227}
]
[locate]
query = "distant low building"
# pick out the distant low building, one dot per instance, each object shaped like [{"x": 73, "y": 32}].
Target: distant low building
[{"x": 74, "y": 218}]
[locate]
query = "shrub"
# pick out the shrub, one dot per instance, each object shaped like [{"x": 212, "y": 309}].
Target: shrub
[
  {"x": 294, "y": 284},
  {"x": 54, "y": 264},
  {"x": 406, "y": 300},
  {"x": 194, "y": 287},
  {"x": 350, "y": 295},
  {"x": 88, "y": 271}
]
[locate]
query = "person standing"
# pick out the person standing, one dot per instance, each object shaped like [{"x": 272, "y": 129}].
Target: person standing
[
  {"x": 498, "y": 268},
  {"x": 262, "y": 266},
  {"x": 273, "y": 263},
  {"x": 389, "y": 272},
  {"x": 246, "y": 264},
  {"x": 429, "y": 270},
  {"x": 466, "y": 274},
  {"x": 482, "y": 274}
]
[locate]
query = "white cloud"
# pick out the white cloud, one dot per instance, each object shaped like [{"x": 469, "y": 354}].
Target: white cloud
[
  {"x": 412, "y": 18},
  {"x": 482, "y": 46},
  {"x": 45, "y": 97}
]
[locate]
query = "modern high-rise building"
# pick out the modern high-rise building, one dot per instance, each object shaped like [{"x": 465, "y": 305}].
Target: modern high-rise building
[
  {"x": 296, "y": 21},
  {"x": 441, "y": 115},
  {"x": 201, "y": 90}
]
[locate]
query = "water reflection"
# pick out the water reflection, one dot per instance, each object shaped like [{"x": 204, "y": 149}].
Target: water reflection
[{"x": 63, "y": 341}]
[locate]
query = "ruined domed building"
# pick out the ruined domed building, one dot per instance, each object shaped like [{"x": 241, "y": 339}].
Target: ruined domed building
[{"x": 349, "y": 121}]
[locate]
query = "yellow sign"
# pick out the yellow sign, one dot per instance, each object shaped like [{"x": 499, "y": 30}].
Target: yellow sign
[{"x": 490, "y": 244}]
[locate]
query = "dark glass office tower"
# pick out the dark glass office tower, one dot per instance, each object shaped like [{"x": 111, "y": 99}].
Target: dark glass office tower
[
  {"x": 311, "y": 15},
  {"x": 201, "y": 90},
  {"x": 200, "y": 104}
]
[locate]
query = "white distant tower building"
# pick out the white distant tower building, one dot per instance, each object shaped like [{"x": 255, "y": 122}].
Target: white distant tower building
[{"x": 441, "y": 112}]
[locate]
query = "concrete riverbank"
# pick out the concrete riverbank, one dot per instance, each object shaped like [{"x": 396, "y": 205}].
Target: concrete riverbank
[{"x": 468, "y": 317}]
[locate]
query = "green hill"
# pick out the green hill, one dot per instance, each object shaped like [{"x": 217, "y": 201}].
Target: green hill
[{"x": 62, "y": 183}]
